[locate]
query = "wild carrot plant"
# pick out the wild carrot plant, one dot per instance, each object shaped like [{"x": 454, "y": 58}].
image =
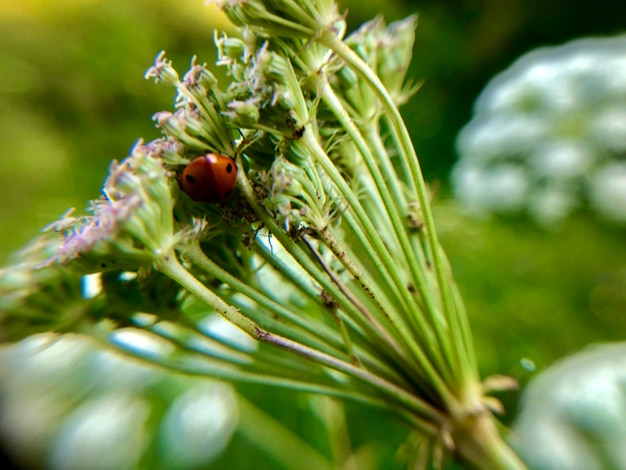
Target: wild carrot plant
[{"x": 325, "y": 253}]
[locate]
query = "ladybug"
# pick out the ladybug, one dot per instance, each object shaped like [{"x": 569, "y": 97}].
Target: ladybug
[{"x": 210, "y": 178}]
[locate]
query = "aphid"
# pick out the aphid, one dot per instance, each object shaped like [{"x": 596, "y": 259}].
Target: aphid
[{"x": 210, "y": 178}]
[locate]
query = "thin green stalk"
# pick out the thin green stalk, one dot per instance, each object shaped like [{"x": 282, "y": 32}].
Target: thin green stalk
[
  {"x": 408, "y": 151},
  {"x": 371, "y": 287},
  {"x": 466, "y": 334},
  {"x": 331, "y": 100},
  {"x": 261, "y": 360},
  {"x": 171, "y": 267},
  {"x": 342, "y": 287},
  {"x": 374, "y": 141},
  {"x": 261, "y": 363},
  {"x": 343, "y": 257},
  {"x": 347, "y": 341},
  {"x": 420, "y": 326},
  {"x": 459, "y": 332},
  {"x": 265, "y": 320},
  {"x": 221, "y": 353},
  {"x": 301, "y": 282},
  {"x": 401, "y": 396},
  {"x": 199, "y": 258},
  {"x": 294, "y": 277},
  {"x": 320, "y": 156},
  {"x": 314, "y": 177},
  {"x": 231, "y": 374},
  {"x": 378, "y": 247},
  {"x": 319, "y": 275},
  {"x": 307, "y": 288},
  {"x": 458, "y": 339},
  {"x": 365, "y": 359},
  {"x": 376, "y": 258}
]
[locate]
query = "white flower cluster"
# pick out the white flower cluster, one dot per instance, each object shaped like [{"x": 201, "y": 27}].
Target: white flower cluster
[
  {"x": 548, "y": 135},
  {"x": 70, "y": 405}
]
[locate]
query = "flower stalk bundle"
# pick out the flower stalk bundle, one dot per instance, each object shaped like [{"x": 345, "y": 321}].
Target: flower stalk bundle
[{"x": 325, "y": 254}]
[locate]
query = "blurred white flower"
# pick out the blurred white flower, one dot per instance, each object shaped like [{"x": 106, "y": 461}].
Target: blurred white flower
[
  {"x": 198, "y": 425},
  {"x": 217, "y": 327},
  {"x": 46, "y": 360},
  {"x": 139, "y": 340},
  {"x": 117, "y": 372},
  {"x": 573, "y": 414},
  {"x": 608, "y": 191},
  {"x": 498, "y": 189},
  {"x": 485, "y": 141},
  {"x": 91, "y": 285},
  {"x": 609, "y": 128},
  {"x": 551, "y": 205},
  {"x": 542, "y": 132},
  {"x": 105, "y": 433},
  {"x": 561, "y": 159},
  {"x": 100, "y": 410}
]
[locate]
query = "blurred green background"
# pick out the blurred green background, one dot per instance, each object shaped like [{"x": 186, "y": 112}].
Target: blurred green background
[{"x": 73, "y": 98}]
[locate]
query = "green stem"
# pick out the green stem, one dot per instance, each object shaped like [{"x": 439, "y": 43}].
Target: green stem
[
  {"x": 369, "y": 350},
  {"x": 319, "y": 275},
  {"x": 398, "y": 126},
  {"x": 479, "y": 445},
  {"x": 401, "y": 396},
  {"x": 422, "y": 329},
  {"x": 233, "y": 374},
  {"x": 199, "y": 258},
  {"x": 225, "y": 353},
  {"x": 418, "y": 356},
  {"x": 380, "y": 262},
  {"x": 374, "y": 140},
  {"x": 171, "y": 267},
  {"x": 342, "y": 287},
  {"x": 345, "y": 334},
  {"x": 209, "y": 347},
  {"x": 368, "y": 285}
]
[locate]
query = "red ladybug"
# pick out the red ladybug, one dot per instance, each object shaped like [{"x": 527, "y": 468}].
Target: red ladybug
[{"x": 210, "y": 178}]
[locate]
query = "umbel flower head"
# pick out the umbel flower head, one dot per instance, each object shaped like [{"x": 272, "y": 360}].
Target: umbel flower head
[
  {"x": 548, "y": 136},
  {"x": 289, "y": 19},
  {"x": 35, "y": 299},
  {"x": 130, "y": 227},
  {"x": 325, "y": 252}
]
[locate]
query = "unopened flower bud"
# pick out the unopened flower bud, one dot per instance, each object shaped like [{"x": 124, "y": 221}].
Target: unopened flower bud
[{"x": 162, "y": 71}]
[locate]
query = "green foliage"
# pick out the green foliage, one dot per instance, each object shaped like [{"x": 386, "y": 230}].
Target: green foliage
[{"x": 535, "y": 296}]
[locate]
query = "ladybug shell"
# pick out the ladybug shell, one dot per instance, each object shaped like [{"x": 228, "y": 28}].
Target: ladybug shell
[{"x": 210, "y": 178}]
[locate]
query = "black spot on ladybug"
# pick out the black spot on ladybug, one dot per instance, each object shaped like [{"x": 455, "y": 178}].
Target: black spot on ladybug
[{"x": 229, "y": 168}]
